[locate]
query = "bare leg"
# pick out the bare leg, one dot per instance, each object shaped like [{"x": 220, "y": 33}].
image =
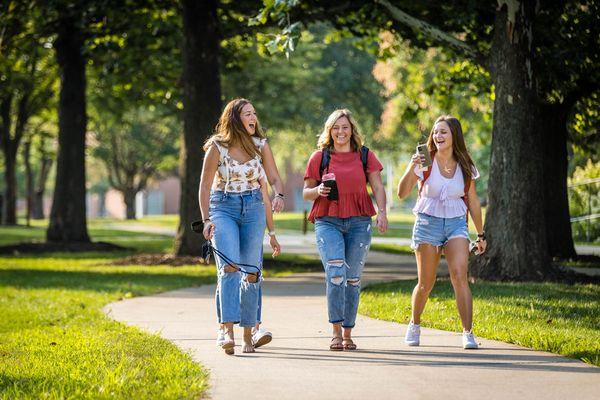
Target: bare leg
[
  {"x": 248, "y": 346},
  {"x": 428, "y": 258},
  {"x": 457, "y": 255}
]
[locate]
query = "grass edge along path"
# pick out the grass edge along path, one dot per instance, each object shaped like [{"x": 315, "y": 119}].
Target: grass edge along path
[
  {"x": 558, "y": 318},
  {"x": 55, "y": 341}
]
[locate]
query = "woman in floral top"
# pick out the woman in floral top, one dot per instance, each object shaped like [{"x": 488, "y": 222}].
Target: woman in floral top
[{"x": 235, "y": 208}]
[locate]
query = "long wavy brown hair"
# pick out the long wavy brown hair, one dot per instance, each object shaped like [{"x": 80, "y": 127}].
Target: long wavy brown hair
[
  {"x": 459, "y": 148},
  {"x": 325, "y": 139},
  {"x": 230, "y": 130}
]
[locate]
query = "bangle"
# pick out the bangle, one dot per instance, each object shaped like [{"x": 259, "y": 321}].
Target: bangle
[
  {"x": 381, "y": 211},
  {"x": 279, "y": 195},
  {"x": 272, "y": 233},
  {"x": 205, "y": 219}
]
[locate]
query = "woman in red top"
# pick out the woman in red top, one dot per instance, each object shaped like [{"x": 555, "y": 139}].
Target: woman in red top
[{"x": 343, "y": 219}]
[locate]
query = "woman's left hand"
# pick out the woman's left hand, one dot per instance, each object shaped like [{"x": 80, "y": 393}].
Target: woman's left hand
[
  {"x": 381, "y": 222},
  {"x": 278, "y": 204},
  {"x": 481, "y": 246},
  {"x": 274, "y": 246}
]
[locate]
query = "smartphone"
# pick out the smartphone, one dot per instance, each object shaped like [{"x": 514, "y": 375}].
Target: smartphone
[{"x": 424, "y": 151}]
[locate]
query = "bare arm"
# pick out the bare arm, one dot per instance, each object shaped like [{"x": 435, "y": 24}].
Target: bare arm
[
  {"x": 474, "y": 207},
  {"x": 209, "y": 168},
  {"x": 267, "y": 202},
  {"x": 409, "y": 179},
  {"x": 312, "y": 190},
  {"x": 269, "y": 216},
  {"x": 380, "y": 198},
  {"x": 273, "y": 176}
]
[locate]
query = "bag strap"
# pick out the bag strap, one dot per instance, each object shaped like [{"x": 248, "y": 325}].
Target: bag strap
[
  {"x": 326, "y": 158},
  {"x": 426, "y": 173}
]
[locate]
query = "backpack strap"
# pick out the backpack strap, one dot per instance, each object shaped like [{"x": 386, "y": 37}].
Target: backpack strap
[
  {"x": 466, "y": 196},
  {"x": 325, "y": 158},
  {"x": 426, "y": 174},
  {"x": 364, "y": 158}
]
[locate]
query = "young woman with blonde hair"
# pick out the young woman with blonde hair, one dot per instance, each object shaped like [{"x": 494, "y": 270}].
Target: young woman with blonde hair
[{"x": 342, "y": 217}]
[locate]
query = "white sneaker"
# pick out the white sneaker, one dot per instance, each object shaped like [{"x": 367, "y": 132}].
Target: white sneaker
[
  {"x": 413, "y": 334},
  {"x": 260, "y": 337},
  {"x": 469, "y": 341},
  {"x": 220, "y": 337}
]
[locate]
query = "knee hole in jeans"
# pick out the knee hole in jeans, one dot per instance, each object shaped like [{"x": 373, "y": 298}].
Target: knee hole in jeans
[
  {"x": 354, "y": 282},
  {"x": 336, "y": 263},
  {"x": 229, "y": 268}
]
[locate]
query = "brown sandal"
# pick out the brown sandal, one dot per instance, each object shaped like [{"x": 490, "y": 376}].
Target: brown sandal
[
  {"x": 336, "y": 344},
  {"x": 348, "y": 344}
]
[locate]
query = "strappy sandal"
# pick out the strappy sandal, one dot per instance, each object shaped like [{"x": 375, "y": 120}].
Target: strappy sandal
[
  {"x": 336, "y": 344},
  {"x": 228, "y": 346},
  {"x": 348, "y": 344}
]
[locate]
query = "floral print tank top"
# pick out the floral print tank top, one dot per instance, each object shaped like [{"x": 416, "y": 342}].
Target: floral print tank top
[{"x": 236, "y": 177}]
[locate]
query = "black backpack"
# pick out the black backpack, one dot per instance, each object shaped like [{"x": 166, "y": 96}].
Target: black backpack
[{"x": 326, "y": 157}]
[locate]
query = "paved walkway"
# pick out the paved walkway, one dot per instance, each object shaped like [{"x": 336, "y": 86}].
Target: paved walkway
[{"x": 298, "y": 364}]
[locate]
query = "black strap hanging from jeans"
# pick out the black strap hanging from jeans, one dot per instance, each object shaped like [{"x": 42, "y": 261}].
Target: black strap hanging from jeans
[{"x": 208, "y": 248}]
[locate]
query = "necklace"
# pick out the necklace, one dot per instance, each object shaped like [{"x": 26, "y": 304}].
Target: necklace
[{"x": 447, "y": 169}]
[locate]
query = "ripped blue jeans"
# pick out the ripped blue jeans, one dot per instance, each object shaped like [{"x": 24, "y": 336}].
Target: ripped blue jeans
[
  {"x": 240, "y": 223},
  {"x": 343, "y": 246}
]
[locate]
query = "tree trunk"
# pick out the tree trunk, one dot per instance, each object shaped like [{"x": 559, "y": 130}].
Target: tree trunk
[
  {"x": 552, "y": 124},
  {"x": 129, "y": 197},
  {"x": 202, "y": 105},
  {"x": 515, "y": 224},
  {"x": 9, "y": 212},
  {"x": 68, "y": 216},
  {"x": 28, "y": 180},
  {"x": 9, "y": 149},
  {"x": 38, "y": 197}
]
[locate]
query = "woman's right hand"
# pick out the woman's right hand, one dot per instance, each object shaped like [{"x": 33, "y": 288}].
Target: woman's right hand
[
  {"x": 323, "y": 190},
  {"x": 209, "y": 230},
  {"x": 417, "y": 160}
]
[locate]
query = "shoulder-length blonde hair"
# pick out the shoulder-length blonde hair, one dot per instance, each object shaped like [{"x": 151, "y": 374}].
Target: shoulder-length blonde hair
[
  {"x": 459, "y": 148},
  {"x": 325, "y": 139},
  {"x": 230, "y": 130}
]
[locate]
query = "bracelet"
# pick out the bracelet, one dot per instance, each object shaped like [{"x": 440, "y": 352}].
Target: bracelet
[
  {"x": 481, "y": 236},
  {"x": 279, "y": 195},
  {"x": 205, "y": 219},
  {"x": 272, "y": 233}
]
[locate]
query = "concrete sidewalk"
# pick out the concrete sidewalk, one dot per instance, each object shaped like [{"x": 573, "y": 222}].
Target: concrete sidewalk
[{"x": 298, "y": 365}]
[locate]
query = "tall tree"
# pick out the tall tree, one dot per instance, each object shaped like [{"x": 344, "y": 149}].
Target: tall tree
[
  {"x": 134, "y": 150},
  {"x": 68, "y": 216},
  {"x": 502, "y": 39},
  {"x": 201, "y": 109},
  {"x": 25, "y": 90}
]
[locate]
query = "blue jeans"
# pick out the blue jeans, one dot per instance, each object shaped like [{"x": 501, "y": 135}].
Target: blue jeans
[
  {"x": 343, "y": 246},
  {"x": 240, "y": 223}
]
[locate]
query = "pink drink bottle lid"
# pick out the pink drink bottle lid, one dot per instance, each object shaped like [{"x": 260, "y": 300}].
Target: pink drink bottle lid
[{"x": 329, "y": 177}]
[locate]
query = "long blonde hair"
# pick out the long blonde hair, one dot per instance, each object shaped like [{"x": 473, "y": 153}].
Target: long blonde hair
[
  {"x": 230, "y": 130},
  {"x": 459, "y": 148},
  {"x": 325, "y": 140}
]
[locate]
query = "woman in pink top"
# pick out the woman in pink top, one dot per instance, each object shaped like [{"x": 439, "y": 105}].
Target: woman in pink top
[
  {"x": 342, "y": 212},
  {"x": 446, "y": 193}
]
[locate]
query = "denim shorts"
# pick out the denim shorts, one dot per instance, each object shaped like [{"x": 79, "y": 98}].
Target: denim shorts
[{"x": 438, "y": 231}]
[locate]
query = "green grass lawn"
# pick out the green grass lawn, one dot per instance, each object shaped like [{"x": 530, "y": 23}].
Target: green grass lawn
[
  {"x": 55, "y": 341},
  {"x": 558, "y": 318}
]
